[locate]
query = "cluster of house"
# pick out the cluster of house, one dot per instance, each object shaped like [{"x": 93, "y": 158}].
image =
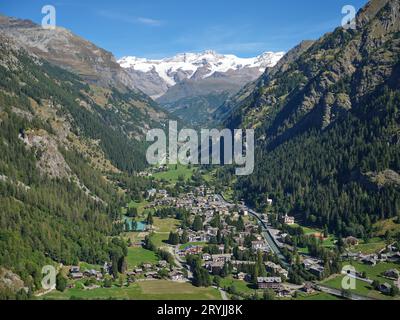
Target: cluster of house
[
  {"x": 190, "y": 250},
  {"x": 159, "y": 194},
  {"x": 289, "y": 220},
  {"x": 152, "y": 170},
  {"x": 388, "y": 254},
  {"x": 151, "y": 272},
  {"x": 75, "y": 273},
  {"x": 314, "y": 266},
  {"x": 202, "y": 201},
  {"x": 276, "y": 269},
  {"x": 216, "y": 262},
  {"x": 275, "y": 284},
  {"x": 146, "y": 271},
  {"x": 392, "y": 274}
]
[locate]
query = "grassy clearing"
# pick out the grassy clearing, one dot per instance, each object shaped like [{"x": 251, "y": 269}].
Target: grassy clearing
[
  {"x": 375, "y": 272},
  {"x": 185, "y": 291},
  {"x": 174, "y": 173},
  {"x": 228, "y": 195},
  {"x": 148, "y": 290},
  {"x": 384, "y": 226},
  {"x": 87, "y": 266},
  {"x": 160, "y": 239},
  {"x": 326, "y": 242},
  {"x": 165, "y": 225},
  {"x": 362, "y": 288},
  {"x": 200, "y": 244},
  {"x": 240, "y": 285},
  {"x": 372, "y": 246},
  {"x": 135, "y": 236},
  {"x": 138, "y": 205},
  {"x": 317, "y": 296},
  {"x": 138, "y": 256},
  {"x": 209, "y": 176}
]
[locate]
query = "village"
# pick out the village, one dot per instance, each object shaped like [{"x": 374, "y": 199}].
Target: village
[{"x": 232, "y": 241}]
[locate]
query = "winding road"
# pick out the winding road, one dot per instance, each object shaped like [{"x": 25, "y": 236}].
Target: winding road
[{"x": 266, "y": 233}]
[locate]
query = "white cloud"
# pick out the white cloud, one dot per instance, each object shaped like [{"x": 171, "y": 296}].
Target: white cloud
[
  {"x": 129, "y": 19},
  {"x": 149, "y": 21}
]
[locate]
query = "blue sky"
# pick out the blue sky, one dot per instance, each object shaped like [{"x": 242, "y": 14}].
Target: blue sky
[{"x": 160, "y": 28}]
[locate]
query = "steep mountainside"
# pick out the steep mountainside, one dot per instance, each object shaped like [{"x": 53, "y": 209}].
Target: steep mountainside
[
  {"x": 65, "y": 150},
  {"x": 61, "y": 47},
  {"x": 196, "y": 83},
  {"x": 109, "y": 92},
  {"x": 327, "y": 123},
  {"x": 245, "y": 95}
]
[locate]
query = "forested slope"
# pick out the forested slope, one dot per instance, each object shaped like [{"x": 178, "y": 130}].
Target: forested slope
[{"x": 327, "y": 126}]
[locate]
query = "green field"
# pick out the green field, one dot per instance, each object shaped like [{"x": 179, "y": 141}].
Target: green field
[
  {"x": 135, "y": 236},
  {"x": 375, "y": 272},
  {"x": 372, "y": 246},
  {"x": 138, "y": 205},
  {"x": 362, "y": 288},
  {"x": 240, "y": 285},
  {"x": 165, "y": 225},
  {"x": 160, "y": 239},
  {"x": 147, "y": 290},
  {"x": 137, "y": 256},
  {"x": 200, "y": 244},
  {"x": 391, "y": 225},
  {"x": 328, "y": 242},
  {"x": 87, "y": 266},
  {"x": 173, "y": 174}
]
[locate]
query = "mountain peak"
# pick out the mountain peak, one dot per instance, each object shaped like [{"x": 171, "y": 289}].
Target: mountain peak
[{"x": 185, "y": 66}]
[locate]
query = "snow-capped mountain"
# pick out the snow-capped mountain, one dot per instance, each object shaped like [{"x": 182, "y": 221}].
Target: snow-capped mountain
[{"x": 155, "y": 77}]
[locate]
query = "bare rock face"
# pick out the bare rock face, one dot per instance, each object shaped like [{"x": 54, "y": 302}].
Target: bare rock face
[
  {"x": 50, "y": 160},
  {"x": 69, "y": 51},
  {"x": 10, "y": 282}
]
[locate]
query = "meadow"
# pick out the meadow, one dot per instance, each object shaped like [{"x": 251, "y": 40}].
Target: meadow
[
  {"x": 174, "y": 173},
  {"x": 138, "y": 256},
  {"x": 146, "y": 290}
]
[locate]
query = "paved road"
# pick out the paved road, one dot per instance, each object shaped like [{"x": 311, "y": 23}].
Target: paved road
[
  {"x": 179, "y": 262},
  {"x": 270, "y": 240},
  {"x": 339, "y": 293},
  {"x": 369, "y": 281},
  {"x": 266, "y": 233},
  {"x": 223, "y": 294},
  {"x": 44, "y": 292}
]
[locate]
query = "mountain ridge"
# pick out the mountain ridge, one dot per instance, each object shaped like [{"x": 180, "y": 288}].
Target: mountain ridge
[
  {"x": 185, "y": 66},
  {"x": 327, "y": 123}
]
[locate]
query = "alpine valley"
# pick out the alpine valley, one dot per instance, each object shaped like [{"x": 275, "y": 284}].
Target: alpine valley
[
  {"x": 192, "y": 86},
  {"x": 77, "y": 194}
]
